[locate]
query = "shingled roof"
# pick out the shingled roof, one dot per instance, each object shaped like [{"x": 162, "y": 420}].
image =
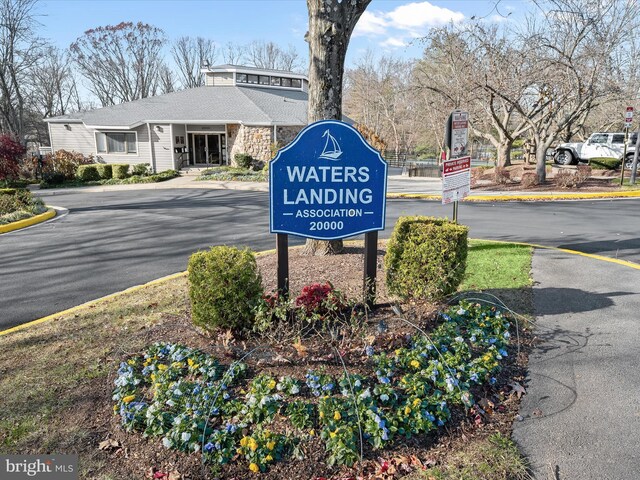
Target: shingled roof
[{"x": 239, "y": 104}]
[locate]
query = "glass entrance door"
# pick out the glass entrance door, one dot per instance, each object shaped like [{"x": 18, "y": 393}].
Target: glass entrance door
[
  {"x": 199, "y": 148},
  {"x": 213, "y": 144},
  {"x": 207, "y": 148}
]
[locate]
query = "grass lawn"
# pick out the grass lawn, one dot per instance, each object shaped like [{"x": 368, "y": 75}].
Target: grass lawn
[{"x": 56, "y": 378}]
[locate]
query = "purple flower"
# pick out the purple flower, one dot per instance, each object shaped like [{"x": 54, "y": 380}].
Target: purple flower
[{"x": 369, "y": 350}]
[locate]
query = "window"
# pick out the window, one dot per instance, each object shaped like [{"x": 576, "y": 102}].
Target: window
[
  {"x": 253, "y": 79},
  {"x": 618, "y": 139},
  {"x": 116, "y": 142},
  {"x": 276, "y": 81},
  {"x": 599, "y": 138},
  {"x": 264, "y": 80},
  {"x": 241, "y": 77},
  {"x": 296, "y": 83},
  {"x": 286, "y": 82}
]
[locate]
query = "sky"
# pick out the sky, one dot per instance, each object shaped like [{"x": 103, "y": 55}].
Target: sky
[{"x": 386, "y": 27}]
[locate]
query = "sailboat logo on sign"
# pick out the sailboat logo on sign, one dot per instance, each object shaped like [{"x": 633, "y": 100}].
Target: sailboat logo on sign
[{"x": 331, "y": 150}]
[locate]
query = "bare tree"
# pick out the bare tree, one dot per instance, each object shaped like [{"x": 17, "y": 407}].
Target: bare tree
[
  {"x": 572, "y": 49},
  {"x": 121, "y": 62},
  {"x": 20, "y": 52},
  {"x": 190, "y": 55},
  {"x": 234, "y": 54},
  {"x": 271, "y": 56},
  {"x": 331, "y": 23},
  {"x": 53, "y": 84},
  {"x": 167, "y": 81}
]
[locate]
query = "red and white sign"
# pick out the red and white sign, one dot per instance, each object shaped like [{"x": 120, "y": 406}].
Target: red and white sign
[
  {"x": 459, "y": 133},
  {"x": 628, "y": 117},
  {"x": 456, "y": 179}
]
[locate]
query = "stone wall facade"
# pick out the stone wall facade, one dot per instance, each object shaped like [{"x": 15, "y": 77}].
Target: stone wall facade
[
  {"x": 254, "y": 141},
  {"x": 285, "y": 135}
]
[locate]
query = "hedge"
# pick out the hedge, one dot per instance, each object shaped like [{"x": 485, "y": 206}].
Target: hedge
[
  {"x": 243, "y": 160},
  {"x": 426, "y": 258},
  {"x": 605, "y": 163},
  {"x": 120, "y": 170},
  {"x": 88, "y": 173},
  {"x": 105, "y": 170},
  {"x": 224, "y": 287}
]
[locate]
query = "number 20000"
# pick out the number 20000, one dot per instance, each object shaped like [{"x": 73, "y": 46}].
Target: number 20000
[{"x": 327, "y": 226}]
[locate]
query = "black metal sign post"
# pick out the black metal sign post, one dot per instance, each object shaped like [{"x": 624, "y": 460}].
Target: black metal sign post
[
  {"x": 370, "y": 267},
  {"x": 282, "y": 254}
]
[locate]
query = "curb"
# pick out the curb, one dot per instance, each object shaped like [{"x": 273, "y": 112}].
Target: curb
[
  {"x": 524, "y": 198},
  {"x": 161, "y": 280},
  {"x": 27, "y": 222}
]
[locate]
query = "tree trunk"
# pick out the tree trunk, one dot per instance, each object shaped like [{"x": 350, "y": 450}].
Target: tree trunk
[
  {"x": 331, "y": 23},
  {"x": 541, "y": 165},
  {"x": 504, "y": 153}
]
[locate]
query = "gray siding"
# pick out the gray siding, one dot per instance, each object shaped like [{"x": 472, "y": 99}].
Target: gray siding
[
  {"x": 162, "y": 150},
  {"x": 81, "y": 139},
  {"x": 223, "y": 78},
  {"x": 179, "y": 131}
]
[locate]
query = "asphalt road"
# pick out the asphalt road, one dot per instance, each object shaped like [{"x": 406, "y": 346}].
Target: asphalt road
[{"x": 113, "y": 240}]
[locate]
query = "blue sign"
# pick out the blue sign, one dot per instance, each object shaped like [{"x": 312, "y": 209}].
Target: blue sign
[{"x": 329, "y": 183}]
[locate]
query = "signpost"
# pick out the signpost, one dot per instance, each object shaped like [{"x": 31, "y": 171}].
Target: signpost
[
  {"x": 328, "y": 184},
  {"x": 456, "y": 166},
  {"x": 628, "y": 120}
]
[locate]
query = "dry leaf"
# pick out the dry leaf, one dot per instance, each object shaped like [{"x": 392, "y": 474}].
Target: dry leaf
[
  {"x": 300, "y": 348},
  {"x": 518, "y": 389},
  {"x": 109, "y": 444},
  {"x": 175, "y": 476}
]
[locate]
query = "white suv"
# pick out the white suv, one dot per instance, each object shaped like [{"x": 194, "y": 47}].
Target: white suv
[{"x": 610, "y": 145}]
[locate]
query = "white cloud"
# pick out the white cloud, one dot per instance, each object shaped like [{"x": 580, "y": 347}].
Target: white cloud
[
  {"x": 403, "y": 23},
  {"x": 421, "y": 14},
  {"x": 393, "y": 42},
  {"x": 499, "y": 18},
  {"x": 371, "y": 24}
]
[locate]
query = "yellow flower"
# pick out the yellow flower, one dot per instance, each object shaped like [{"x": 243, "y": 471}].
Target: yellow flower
[
  {"x": 332, "y": 434},
  {"x": 254, "y": 468},
  {"x": 162, "y": 367},
  {"x": 268, "y": 458},
  {"x": 487, "y": 357},
  {"x": 239, "y": 451},
  {"x": 131, "y": 361},
  {"x": 147, "y": 362},
  {"x": 253, "y": 445},
  {"x": 415, "y": 364},
  {"x": 407, "y": 410},
  {"x": 190, "y": 362},
  {"x": 271, "y": 445},
  {"x": 128, "y": 398},
  {"x": 398, "y": 351},
  {"x": 416, "y": 402},
  {"x": 244, "y": 441},
  {"x": 177, "y": 364},
  {"x": 115, "y": 409},
  {"x": 337, "y": 416},
  {"x": 321, "y": 415},
  {"x": 267, "y": 433},
  {"x": 153, "y": 377},
  {"x": 312, "y": 432},
  {"x": 271, "y": 384}
]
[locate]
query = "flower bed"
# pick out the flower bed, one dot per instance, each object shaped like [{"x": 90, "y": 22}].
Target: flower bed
[
  {"x": 233, "y": 174},
  {"x": 18, "y": 204},
  {"x": 230, "y": 412}
]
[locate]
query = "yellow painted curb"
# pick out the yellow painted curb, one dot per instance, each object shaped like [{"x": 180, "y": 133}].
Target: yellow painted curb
[
  {"x": 158, "y": 281},
  {"x": 27, "y": 222},
  {"x": 524, "y": 198}
]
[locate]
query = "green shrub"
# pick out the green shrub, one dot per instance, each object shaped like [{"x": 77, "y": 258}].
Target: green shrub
[
  {"x": 604, "y": 163},
  {"x": 52, "y": 178},
  {"x": 140, "y": 169},
  {"x": 120, "y": 170},
  {"x": 243, "y": 160},
  {"x": 87, "y": 173},
  {"x": 105, "y": 170},
  {"x": 426, "y": 258},
  {"x": 225, "y": 287},
  {"x": 7, "y": 191},
  {"x": 18, "y": 200}
]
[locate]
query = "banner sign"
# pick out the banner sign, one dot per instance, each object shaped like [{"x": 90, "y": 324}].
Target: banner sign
[
  {"x": 628, "y": 117},
  {"x": 327, "y": 184},
  {"x": 456, "y": 179}
]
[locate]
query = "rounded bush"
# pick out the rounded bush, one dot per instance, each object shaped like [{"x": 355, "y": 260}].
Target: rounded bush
[
  {"x": 605, "y": 163},
  {"x": 426, "y": 258},
  {"x": 87, "y": 173},
  {"x": 243, "y": 160},
  {"x": 120, "y": 170},
  {"x": 225, "y": 287},
  {"x": 140, "y": 169},
  {"x": 105, "y": 170}
]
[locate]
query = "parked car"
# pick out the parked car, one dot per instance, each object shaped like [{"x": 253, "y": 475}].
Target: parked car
[{"x": 608, "y": 145}]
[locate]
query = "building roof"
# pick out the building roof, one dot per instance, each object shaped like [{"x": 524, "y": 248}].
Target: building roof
[
  {"x": 227, "y": 67},
  {"x": 249, "y": 105}
]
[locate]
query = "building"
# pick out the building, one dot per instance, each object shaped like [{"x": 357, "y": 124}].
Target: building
[{"x": 240, "y": 110}]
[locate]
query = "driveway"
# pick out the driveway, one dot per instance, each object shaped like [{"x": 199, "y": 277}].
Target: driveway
[{"x": 113, "y": 240}]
